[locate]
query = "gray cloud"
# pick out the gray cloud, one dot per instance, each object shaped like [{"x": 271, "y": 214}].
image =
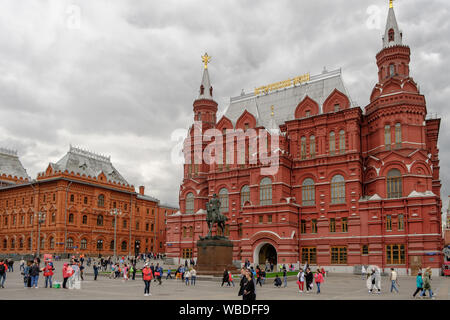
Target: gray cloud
[{"x": 126, "y": 78}]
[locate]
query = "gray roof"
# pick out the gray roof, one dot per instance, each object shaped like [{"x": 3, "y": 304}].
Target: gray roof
[
  {"x": 148, "y": 198},
  {"x": 206, "y": 83},
  {"x": 392, "y": 24},
  {"x": 11, "y": 165},
  {"x": 286, "y": 100},
  {"x": 88, "y": 163}
]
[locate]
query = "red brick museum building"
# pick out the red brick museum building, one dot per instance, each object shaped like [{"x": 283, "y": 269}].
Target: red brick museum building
[{"x": 352, "y": 187}]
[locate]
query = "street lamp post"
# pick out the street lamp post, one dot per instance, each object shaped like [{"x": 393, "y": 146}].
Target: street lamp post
[
  {"x": 41, "y": 219},
  {"x": 115, "y": 212}
]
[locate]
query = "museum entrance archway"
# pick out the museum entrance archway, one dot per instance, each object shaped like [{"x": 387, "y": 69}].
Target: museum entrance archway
[{"x": 267, "y": 253}]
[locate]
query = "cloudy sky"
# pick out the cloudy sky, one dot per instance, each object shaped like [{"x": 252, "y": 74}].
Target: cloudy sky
[{"x": 119, "y": 77}]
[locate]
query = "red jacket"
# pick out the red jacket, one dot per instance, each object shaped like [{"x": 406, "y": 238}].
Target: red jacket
[
  {"x": 67, "y": 272},
  {"x": 147, "y": 274},
  {"x": 319, "y": 277},
  {"x": 6, "y": 266},
  {"x": 48, "y": 270}
]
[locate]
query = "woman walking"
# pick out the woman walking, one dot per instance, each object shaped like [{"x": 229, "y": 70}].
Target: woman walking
[
  {"x": 249, "y": 289},
  {"x": 147, "y": 276},
  {"x": 225, "y": 278},
  {"x": 427, "y": 283},
  {"x": 319, "y": 280},
  {"x": 230, "y": 278},
  {"x": 309, "y": 280},
  {"x": 419, "y": 284},
  {"x": 301, "y": 280}
]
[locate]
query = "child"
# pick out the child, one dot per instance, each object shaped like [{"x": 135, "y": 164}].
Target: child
[{"x": 301, "y": 280}]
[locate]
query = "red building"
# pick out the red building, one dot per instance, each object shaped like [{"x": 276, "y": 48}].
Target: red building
[
  {"x": 338, "y": 187},
  {"x": 76, "y": 198}
]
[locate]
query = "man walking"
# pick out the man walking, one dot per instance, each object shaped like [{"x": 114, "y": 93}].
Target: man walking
[
  {"x": 393, "y": 278},
  {"x": 3, "y": 269},
  {"x": 285, "y": 276},
  {"x": 95, "y": 267}
]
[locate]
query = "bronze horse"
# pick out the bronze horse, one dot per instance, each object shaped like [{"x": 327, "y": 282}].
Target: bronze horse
[{"x": 214, "y": 216}]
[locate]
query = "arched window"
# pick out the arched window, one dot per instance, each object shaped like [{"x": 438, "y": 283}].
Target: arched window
[
  {"x": 332, "y": 143},
  {"x": 223, "y": 197},
  {"x": 342, "y": 141},
  {"x": 84, "y": 220},
  {"x": 312, "y": 146},
  {"x": 190, "y": 203},
  {"x": 13, "y": 243},
  {"x": 391, "y": 35},
  {"x": 100, "y": 220},
  {"x": 387, "y": 137},
  {"x": 303, "y": 148},
  {"x": 398, "y": 135},
  {"x": 101, "y": 201},
  {"x": 245, "y": 195},
  {"x": 394, "y": 184},
  {"x": 53, "y": 217},
  {"x": 124, "y": 245},
  {"x": 111, "y": 245},
  {"x": 338, "y": 189},
  {"x": 52, "y": 243},
  {"x": 99, "y": 245},
  {"x": 83, "y": 244},
  {"x": 21, "y": 243},
  {"x": 265, "y": 192},
  {"x": 308, "y": 192},
  {"x": 29, "y": 244},
  {"x": 42, "y": 243},
  {"x": 72, "y": 198},
  {"x": 71, "y": 218},
  {"x": 69, "y": 243}
]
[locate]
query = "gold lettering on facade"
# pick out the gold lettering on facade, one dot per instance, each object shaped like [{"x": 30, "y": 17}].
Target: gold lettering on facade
[{"x": 282, "y": 84}]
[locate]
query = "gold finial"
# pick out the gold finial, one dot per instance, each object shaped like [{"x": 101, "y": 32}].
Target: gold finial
[
  {"x": 206, "y": 59},
  {"x": 391, "y": 3},
  {"x": 272, "y": 107}
]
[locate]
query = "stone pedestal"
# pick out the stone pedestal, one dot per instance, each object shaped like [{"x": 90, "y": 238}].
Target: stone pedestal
[{"x": 214, "y": 255}]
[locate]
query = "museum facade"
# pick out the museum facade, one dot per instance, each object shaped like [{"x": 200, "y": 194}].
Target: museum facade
[{"x": 350, "y": 186}]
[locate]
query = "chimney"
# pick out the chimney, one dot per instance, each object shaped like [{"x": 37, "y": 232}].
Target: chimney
[{"x": 141, "y": 190}]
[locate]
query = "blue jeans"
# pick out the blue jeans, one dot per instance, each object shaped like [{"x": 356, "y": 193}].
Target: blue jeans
[
  {"x": 394, "y": 285},
  {"x": 11, "y": 268},
  {"x": 285, "y": 281},
  {"x": 48, "y": 279},
  {"x": 187, "y": 280},
  {"x": 193, "y": 280},
  {"x": 34, "y": 281},
  {"x": 318, "y": 287},
  {"x": 429, "y": 291},
  {"x": 3, "y": 278}
]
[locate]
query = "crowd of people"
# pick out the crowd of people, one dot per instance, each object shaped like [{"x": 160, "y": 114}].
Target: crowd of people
[{"x": 126, "y": 268}]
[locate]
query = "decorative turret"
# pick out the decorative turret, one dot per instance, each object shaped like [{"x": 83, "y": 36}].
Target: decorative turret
[{"x": 205, "y": 108}]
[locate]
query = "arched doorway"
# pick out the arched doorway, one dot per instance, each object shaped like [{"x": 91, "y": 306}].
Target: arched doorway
[{"x": 267, "y": 253}]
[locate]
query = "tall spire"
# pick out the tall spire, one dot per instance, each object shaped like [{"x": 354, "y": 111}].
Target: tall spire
[
  {"x": 392, "y": 35},
  {"x": 206, "y": 89}
]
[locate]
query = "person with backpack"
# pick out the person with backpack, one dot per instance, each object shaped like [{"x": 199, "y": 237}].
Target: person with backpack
[
  {"x": 419, "y": 284},
  {"x": 318, "y": 277},
  {"x": 3, "y": 270},
  {"x": 427, "y": 283},
  {"x": 48, "y": 273},
  {"x": 301, "y": 280},
  {"x": 147, "y": 276}
]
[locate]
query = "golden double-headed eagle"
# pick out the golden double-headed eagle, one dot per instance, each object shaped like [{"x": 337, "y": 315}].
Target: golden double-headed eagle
[{"x": 206, "y": 59}]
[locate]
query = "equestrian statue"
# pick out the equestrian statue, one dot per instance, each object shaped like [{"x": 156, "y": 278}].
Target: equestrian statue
[{"x": 214, "y": 216}]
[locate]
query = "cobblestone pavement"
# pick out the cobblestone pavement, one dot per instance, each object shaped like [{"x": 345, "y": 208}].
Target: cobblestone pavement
[{"x": 336, "y": 286}]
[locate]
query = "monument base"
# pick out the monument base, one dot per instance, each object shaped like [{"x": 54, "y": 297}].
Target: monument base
[{"x": 214, "y": 255}]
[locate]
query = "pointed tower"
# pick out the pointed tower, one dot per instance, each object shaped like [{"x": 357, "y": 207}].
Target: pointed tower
[{"x": 205, "y": 108}]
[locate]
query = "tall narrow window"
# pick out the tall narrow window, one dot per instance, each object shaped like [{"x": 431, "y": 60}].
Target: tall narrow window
[
  {"x": 338, "y": 189},
  {"x": 190, "y": 203},
  {"x": 387, "y": 137},
  {"x": 303, "y": 226},
  {"x": 342, "y": 141},
  {"x": 398, "y": 135},
  {"x": 69, "y": 243},
  {"x": 332, "y": 225},
  {"x": 314, "y": 226},
  {"x": 223, "y": 197},
  {"x": 245, "y": 195},
  {"x": 344, "y": 225},
  {"x": 308, "y": 192},
  {"x": 394, "y": 184},
  {"x": 389, "y": 223},
  {"x": 332, "y": 143},
  {"x": 100, "y": 220},
  {"x": 83, "y": 244},
  {"x": 391, "y": 70},
  {"x": 337, "y": 107},
  {"x": 391, "y": 35},
  {"x": 265, "y": 192},
  {"x": 303, "y": 148},
  {"x": 401, "y": 222},
  {"x": 101, "y": 201},
  {"x": 52, "y": 243},
  {"x": 312, "y": 147}
]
